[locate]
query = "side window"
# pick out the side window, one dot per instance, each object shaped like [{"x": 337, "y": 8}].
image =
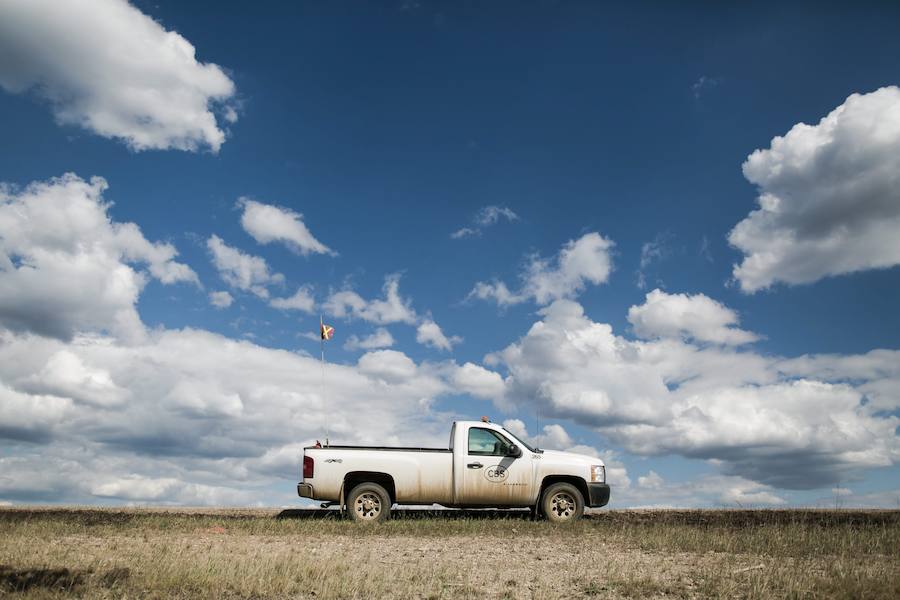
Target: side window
[{"x": 485, "y": 441}]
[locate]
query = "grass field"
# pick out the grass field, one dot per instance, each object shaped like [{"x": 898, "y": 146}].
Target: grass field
[{"x": 183, "y": 553}]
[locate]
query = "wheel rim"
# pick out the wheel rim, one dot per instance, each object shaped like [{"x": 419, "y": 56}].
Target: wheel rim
[
  {"x": 368, "y": 506},
  {"x": 563, "y": 505}
]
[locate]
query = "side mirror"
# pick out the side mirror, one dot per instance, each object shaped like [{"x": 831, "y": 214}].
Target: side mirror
[{"x": 514, "y": 451}]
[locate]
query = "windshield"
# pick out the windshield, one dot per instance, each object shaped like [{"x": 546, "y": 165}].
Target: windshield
[{"x": 506, "y": 431}]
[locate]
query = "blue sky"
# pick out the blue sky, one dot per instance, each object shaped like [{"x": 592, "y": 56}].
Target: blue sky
[{"x": 737, "y": 365}]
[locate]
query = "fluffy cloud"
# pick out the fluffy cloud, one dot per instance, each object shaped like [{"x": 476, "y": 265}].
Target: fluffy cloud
[
  {"x": 697, "y": 317},
  {"x": 651, "y": 480},
  {"x": 554, "y": 437},
  {"x": 712, "y": 490},
  {"x": 31, "y": 417},
  {"x": 761, "y": 418},
  {"x": 387, "y": 365},
  {"x": 168, "y": 490},
  {"x": 65, "y": 375},
  {"x": 105, "y": 66},
  {"x": 829, "y": 197},
  {"x": 429, "y": 333},
  {"x": 651, "y": 489},
  {"x": 241, "y": 270},
  {"x": 169, "y": 419},
  {"x": 301, "y": 300},
  {"x": 487, "y": 216},
  {"x": 750, "y": 494},
  {"x": 393, "y": 308},
  {"x": 268, "y": 224},
  {"x": 381, "y": 338},
  {"x": 477, "y": 381},
  {"x": 496, "y": 291},
  {"x": 875, "y": 374},
  {"x": 169, "y": 415},
  {"x": 66, "y": 267},
  {"x": 579, "y": 262},
  {"x": 221, "y": 299}
]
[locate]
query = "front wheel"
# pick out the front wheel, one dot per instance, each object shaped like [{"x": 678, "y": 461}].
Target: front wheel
[
  {"x": 562, "y": 503},
  {"x": 369, "y": 503}
]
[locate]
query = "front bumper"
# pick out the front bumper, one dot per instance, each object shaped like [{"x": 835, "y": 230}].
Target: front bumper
[
  {"x": 305, "y": 490},
  {"x": 599, "y": 494}
]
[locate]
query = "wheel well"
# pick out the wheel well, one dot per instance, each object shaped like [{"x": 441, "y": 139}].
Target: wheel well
[
  {"x": 578, "y": 482},
  {"x": 354, "y": 478}
]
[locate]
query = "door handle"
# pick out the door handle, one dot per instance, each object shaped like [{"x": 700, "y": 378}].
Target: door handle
[{"x": 474, "y": 465}]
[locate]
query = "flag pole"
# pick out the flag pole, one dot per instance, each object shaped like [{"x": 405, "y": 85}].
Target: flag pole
[{"x": 322, "y": 388}]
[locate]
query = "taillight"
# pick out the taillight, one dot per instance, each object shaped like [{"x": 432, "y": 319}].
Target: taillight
[{"x": 308, "y": 467}]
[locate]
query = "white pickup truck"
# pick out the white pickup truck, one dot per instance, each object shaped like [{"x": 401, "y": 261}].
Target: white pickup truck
[{"x": 485, "y": 466}]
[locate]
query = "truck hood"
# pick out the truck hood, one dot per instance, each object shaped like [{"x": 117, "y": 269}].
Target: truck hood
[{"x": 572, "y": 457}]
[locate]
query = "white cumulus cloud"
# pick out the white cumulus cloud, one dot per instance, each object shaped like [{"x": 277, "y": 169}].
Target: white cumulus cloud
[
  {"x": 221, "y": 299},
  {"x": 67, "y": 267},
  {"x": 380, "y": 338},
  {"x": 578, "y": 263},
  {"x": 267, "y": 224},
  {"x": 652, "y": 480},
  {"x": 302, "y": 300},
  {"x": 748, "y": 493},
  {"x": 393, "y": 308},
  {"x": 801, "y": 423},
  {"x": 829, "y": 197},
  {"x": 31, "y": 417},
  {"x": 387, "y": 365},
  {"x": 241, "y": 270},
  {"x": 479, "y": 382},
  {"x": 105, "y": 66},
  {"x": 188, "y": 410},
  {"x": 429, "y": 333},
  {"x": 496, "y": 291},
  {"x": 697, "y": 317}
]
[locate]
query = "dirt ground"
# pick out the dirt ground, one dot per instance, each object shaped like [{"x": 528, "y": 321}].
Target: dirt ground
[{"x": 182, "y": 553}]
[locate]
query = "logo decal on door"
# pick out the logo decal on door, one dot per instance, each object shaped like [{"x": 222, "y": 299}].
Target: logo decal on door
[{"x": 496, "y": 473}]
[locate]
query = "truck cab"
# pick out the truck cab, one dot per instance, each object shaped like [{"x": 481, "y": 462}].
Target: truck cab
[{"x": 484, "y": 466}]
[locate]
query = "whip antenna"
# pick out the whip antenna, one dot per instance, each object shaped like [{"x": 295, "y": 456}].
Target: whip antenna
[{"x": 325, "y": 333}]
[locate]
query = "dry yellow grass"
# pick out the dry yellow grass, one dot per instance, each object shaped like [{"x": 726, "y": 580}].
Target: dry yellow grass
[{"x": 124, "y": 553}]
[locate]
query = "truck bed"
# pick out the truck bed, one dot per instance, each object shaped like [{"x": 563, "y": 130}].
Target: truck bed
[{"x": 420, "y": 475}]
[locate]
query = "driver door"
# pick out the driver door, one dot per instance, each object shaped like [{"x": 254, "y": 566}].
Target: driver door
[{"x": 490, "y": 476}]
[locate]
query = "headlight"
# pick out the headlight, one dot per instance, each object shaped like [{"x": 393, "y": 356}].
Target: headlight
[{"x": 598, "y": 474}]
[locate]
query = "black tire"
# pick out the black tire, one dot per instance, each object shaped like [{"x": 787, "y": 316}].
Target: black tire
[
  {"x": 369, "y": 503},
  {"x": 562, "y": 503}
]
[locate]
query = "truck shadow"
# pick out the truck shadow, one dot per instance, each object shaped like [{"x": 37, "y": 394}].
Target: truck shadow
[
  {"x": 21, "y": 580},
  {"x": 61, "y": 580},
  {"x": 413, "y": 514}
]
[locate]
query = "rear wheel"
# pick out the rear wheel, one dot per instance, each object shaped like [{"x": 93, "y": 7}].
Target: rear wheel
[
  {"x": 369, "y": 503},
  {"x": 562, "y": 503}
]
